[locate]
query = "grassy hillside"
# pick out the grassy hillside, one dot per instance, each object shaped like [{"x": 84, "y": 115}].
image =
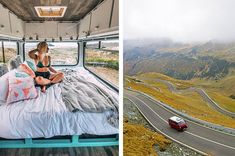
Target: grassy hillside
[
  {"x": 209, "y": 60},
  {"x": 188, "y": 102},
  {"x": 178, "y": 83},
  {"x": 139, "y": 141},
  {"x": 180, "y": 66},
  {"x": 221, "y": 91}
]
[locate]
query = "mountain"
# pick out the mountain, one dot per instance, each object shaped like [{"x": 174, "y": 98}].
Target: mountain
[{"x": 210, "y": 60}]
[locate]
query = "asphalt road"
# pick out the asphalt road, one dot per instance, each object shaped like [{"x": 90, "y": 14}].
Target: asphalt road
[
  {"x": 202, "y": 93},
  {"x": 197, "y": 137}
]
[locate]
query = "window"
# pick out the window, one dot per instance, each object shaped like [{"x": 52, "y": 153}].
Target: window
[
  {"x": 10, "y": 50},
  {"x": 62, "y": 53},
  {"x": 102, "y": 58}
]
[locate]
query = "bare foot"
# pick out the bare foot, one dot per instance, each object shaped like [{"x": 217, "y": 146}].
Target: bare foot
[{"x": 43, "y": 89}]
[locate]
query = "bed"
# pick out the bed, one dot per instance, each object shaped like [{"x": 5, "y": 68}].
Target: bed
[{"x": 47, "y": 116}]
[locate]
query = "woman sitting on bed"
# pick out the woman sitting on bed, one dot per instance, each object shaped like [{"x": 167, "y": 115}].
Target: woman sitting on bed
[{"x": 45, "y": 74}]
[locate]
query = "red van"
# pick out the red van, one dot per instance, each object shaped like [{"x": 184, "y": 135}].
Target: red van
[{"x": 177, "y": 123}]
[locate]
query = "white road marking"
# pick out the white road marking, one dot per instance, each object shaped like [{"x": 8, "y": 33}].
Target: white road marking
[
  {"x": 210, "y": 140},
  {"x": 216, "y": 103}
]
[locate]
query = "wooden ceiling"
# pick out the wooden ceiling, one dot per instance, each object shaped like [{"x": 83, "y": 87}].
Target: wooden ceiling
[{"x": 76, "y": 9}]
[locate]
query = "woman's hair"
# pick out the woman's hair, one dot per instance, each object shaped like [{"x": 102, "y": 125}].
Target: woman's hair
[{"x": 42, "y": 45}]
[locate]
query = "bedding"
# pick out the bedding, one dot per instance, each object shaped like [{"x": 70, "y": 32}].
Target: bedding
[
  {"x": 87, "y": 95},
  {"x": 48, "y": 116}
]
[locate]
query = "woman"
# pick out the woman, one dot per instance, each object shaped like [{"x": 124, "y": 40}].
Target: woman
[{"x": 45, "y": 74}]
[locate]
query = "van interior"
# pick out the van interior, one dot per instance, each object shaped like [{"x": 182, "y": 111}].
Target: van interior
[{"x": 82, "y": 38}]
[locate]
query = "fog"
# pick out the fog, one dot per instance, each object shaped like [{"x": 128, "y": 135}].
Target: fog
[{"x": 180, "y": 20}]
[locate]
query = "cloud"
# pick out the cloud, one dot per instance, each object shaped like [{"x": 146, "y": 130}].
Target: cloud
[{"x": 180, "y": 20}]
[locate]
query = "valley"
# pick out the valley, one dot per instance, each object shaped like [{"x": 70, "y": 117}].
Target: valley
[{"x": 207, "y": 66}]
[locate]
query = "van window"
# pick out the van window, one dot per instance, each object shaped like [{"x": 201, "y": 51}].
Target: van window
[
  {"x": 62, "y": 53},
  {"x": 102, "y": 58},
  {"x": 181, "y": 122},
  {"x": 10, "y": 50},
  {"x": 173, "y": 122}
]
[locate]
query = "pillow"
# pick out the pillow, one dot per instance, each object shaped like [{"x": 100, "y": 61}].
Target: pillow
[
  {"x": 21, "y": 89},
  {"x": 3, "y": 69},
  {"x": 25, "y": 68},
  {"x": 31, "y": 65},
  {"x": 14, "y": 62},
  {"x": 21, "y": 74}
]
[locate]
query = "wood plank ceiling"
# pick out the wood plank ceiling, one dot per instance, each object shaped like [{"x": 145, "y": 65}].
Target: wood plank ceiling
[{"x": 76, "y": 9}]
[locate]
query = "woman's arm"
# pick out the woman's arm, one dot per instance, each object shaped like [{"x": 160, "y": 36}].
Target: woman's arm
[
  {"x": 32, "y": 54},
  {"x": 52, "y": 70}
]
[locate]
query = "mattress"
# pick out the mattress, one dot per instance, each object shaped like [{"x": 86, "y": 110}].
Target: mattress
[{"x": 47, "y": 116}]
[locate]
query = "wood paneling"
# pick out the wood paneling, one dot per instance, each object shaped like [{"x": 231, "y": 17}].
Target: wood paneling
[{"x": 76, "y": 9}]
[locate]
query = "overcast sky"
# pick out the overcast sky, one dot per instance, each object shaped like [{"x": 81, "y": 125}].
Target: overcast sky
[{"x": 180, "y": 20}]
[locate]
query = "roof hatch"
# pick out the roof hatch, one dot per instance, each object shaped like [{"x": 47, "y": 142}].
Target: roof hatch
[{"x": 50, "y": 11}]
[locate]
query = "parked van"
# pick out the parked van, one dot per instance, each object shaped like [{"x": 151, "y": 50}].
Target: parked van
[{"x": 177, "y": 123}]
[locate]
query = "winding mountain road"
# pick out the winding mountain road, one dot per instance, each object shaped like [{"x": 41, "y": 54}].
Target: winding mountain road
[
  {"x": 197, "y": 137},
  {"x": 201, "y": 92}
]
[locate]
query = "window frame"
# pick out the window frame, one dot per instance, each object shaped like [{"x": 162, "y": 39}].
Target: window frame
[
  {"x": 98, "y": 46},
  {"x": 110, "y": 84},
  {"x": 57, "y": 65},
  {"x": 2, "y": 52}
]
